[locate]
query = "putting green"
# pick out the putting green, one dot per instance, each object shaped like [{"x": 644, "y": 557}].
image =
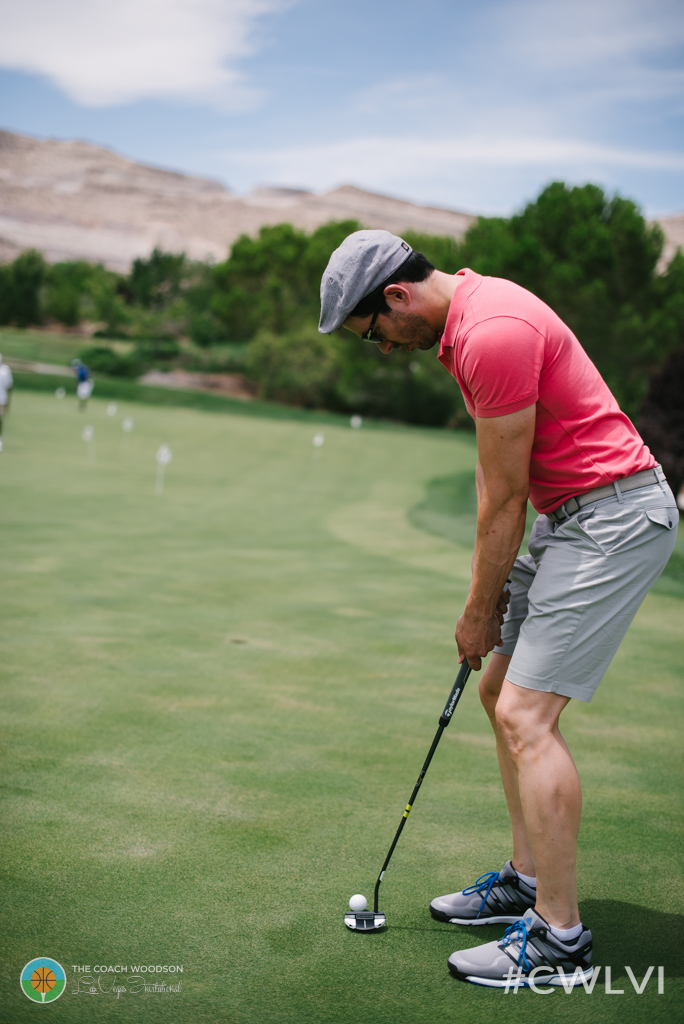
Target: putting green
[{"x": 215, "y": 705}]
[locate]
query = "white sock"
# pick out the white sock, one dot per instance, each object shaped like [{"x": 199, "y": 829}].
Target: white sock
[
  {"x": 567, "y": 934},
  {"x": 530, "y": 880}
]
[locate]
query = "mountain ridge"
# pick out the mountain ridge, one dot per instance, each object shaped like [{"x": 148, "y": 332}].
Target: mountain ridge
[{"x": 73, "y": 199}]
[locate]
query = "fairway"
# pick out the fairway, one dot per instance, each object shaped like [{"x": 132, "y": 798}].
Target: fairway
[{"x": 215, "y": 703}]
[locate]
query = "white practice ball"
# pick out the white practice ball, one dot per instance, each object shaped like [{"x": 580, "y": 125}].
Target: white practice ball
[{"x": 358, "y": 903}]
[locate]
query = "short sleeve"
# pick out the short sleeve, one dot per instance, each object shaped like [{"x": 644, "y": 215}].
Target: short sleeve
[{"x": 501, "y": 362}]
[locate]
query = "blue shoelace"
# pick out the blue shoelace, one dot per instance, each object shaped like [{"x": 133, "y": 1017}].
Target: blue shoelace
[
  {"x": 484, "y": 883},
  {"x": 517, "y": 933}
]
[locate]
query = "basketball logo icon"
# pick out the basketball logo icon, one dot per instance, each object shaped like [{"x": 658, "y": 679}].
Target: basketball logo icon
[{"x": 43, "y": 980}]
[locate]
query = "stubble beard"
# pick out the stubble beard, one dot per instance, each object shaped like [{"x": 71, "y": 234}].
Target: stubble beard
[{"x": 412, "y": 327}]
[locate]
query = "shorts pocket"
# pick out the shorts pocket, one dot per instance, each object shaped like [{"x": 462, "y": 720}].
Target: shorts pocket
[
  {"x": 604, "y": 531},
  {"x": 667, "y": 517}
]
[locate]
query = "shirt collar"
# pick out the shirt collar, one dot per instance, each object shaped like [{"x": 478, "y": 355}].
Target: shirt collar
[{"x": 471, "y": 281}]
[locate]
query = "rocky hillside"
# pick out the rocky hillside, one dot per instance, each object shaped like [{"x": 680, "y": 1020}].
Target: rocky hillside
[
  {"x": 674, "y": 236},
  {"x": 73, "y": 200}
]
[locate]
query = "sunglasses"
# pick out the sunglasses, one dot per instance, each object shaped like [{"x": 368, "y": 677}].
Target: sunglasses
[{"x": 368, "y": 336}]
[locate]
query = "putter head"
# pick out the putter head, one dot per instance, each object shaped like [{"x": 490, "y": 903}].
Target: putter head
[{"x": 364, "y": 921}]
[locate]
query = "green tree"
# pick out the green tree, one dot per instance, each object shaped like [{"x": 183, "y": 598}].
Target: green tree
[
  {"x": 156, "y": 282},
  {"x": 661, "y": 423},
  {"x": 6, "y": 294},
  {"x": 75, "y": 291},
  {"x": 272, "y": 282},
  {"x": 203, "y": 326},
  {"x": 441, "y": 250},
  {"x": 20, "y": 289},
  {"x": 66, "y": 285},
  {"x": 593, "y": 260},
  {"x": 261, "y": 286}
]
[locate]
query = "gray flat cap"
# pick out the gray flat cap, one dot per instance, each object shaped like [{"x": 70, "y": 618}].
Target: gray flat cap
[{"x": 363, "y": 261}]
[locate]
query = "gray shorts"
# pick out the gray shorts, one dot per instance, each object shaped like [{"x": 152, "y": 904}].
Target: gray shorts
[{"x": 575, "y": 594}]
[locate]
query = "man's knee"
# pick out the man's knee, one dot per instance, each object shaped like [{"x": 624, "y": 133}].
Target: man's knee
[
  {"x": 514, "y": 726},
  {"x": 526, "y": 717}
]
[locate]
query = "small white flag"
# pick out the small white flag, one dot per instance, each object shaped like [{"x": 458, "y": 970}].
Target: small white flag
[{"x": 164, "y": 455}]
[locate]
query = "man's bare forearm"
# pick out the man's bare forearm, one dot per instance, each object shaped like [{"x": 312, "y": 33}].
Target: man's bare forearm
[
  {"x": 500, "y": 530},
  {"x": 503, "y": 484}
]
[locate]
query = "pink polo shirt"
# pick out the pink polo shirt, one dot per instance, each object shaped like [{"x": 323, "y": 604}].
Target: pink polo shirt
[{"x": 508, "y": 350}]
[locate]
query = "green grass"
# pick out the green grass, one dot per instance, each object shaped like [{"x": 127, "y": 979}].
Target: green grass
[
  {"x": 448, "y": 509},
  {"x": 41, "y": 346},
  {"x": 129, "y": 391},
  {"x": 44, "y": 346},
  {"x": 216, "y": 702}
]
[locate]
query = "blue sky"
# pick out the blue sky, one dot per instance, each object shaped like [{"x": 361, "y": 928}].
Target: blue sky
[{"x": 472, "y": 106}]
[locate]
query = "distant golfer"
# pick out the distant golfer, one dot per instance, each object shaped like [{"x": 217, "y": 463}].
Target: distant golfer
[
  {"x": 84, "y": 384},
  {"x": 6, "y": 385},
  {"x": 548, "y": 429}
]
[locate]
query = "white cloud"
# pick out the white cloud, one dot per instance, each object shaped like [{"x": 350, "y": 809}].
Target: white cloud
[
  {"x": 546, "y": 67},
  {"x": 106, "y": 52},
  {"x": 417, "y": 94},
  {"x": 575, "y": 90},
  {"x": 608, "y": 49},
  {"x": 579, "y": 33}
]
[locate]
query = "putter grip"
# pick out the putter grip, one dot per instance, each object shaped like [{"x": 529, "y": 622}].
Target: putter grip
[{"x": 455, "y": 695}]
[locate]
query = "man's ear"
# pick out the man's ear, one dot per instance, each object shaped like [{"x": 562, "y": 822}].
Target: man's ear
[{"x": 398, "y": 296}]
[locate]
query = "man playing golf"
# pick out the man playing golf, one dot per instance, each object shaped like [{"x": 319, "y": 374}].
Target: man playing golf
[{"x": 548, "y": 429}]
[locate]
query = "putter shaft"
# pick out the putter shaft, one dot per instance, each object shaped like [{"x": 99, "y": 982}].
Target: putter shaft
[{"x": 445, "y": 718}]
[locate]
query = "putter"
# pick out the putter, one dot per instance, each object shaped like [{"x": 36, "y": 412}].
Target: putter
[{"x": 373, "y": 921}]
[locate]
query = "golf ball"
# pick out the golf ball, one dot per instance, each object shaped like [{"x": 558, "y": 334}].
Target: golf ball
[{"x": 358, "y": 903}]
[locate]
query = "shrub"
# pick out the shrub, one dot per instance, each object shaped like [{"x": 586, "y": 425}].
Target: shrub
[
  {"x": 105, "y": 360},
  {"x": 301, "y": 367},
  {"x": 156, "y": 350},
  {"x": 412, "y": 387},
  {"x": 347, "y": 374},
  {"x": 205, "y": 329}
]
